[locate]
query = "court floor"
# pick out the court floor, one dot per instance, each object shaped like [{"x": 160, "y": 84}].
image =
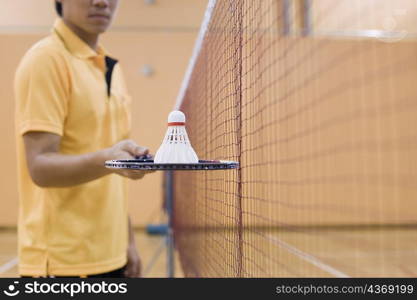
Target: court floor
[
  {"x": 335, "y": 252},
  {"x": 148, "y": 246},
  {"x": 383, "y": 252}
]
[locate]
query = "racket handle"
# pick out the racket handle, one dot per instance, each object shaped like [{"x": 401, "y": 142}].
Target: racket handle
[{"x": 145, "y": 157}]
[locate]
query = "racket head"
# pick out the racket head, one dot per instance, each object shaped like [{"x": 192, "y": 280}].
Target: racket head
[{"x": 148, "y": 164}]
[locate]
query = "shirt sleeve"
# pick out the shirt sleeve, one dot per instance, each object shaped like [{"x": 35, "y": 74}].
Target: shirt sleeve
[{"x": 42, "y": 90}]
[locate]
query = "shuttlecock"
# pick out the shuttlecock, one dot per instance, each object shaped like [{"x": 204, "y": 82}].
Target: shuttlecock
[{"x": 176, "y": 147}]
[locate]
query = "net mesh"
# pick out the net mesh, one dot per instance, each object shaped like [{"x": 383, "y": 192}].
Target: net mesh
[{"x": 317, "y": 102}]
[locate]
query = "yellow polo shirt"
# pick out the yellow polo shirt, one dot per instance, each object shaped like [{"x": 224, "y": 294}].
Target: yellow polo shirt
[{"x": 62, "y": 86}]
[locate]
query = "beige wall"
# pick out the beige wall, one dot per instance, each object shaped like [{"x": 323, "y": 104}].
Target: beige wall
[
  {"x": 350, "y": 16},
  {"x": 179, "y": 15},
  {"x": 161, "y": 35}
]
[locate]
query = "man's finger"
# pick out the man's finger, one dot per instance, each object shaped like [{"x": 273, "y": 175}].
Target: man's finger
[
  {"x": 130, "y": 146},
  {"x": 136, "y": 175},
  {"x": 135, "y": 270},
  {"x": 139, "y": 270},
  {"x": 128, "y": 270},
  {"x": 141, "y": 151}
]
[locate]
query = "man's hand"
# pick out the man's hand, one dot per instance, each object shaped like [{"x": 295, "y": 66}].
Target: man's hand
[
  {"x": 128, "y": 149},
  {"x": 134, "y": 266}
]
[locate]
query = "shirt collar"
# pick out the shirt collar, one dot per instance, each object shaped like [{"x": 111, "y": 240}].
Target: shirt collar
[{"x": 74, "y": 44}]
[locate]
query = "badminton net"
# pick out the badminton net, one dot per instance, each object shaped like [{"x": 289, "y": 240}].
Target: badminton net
[{"x": 316, "y": 100}]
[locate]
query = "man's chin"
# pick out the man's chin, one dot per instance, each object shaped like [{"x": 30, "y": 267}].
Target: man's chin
[{"x": 97, "y": 29}]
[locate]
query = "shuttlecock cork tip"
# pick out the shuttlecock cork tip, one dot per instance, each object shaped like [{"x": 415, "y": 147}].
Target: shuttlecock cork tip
[{"x": 176, "y": 116}]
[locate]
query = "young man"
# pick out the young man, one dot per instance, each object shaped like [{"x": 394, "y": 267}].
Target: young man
[{"x": 73, "y": 114}]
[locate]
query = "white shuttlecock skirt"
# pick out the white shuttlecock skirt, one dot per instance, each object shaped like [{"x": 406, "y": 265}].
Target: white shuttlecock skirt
[{"x": 176, "y": 147}]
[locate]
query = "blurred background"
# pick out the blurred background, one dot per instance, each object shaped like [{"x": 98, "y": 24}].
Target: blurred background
[
  {"x": 153, "y": 41},
  {"x": 314, "y": 98},
  {"x": 317, "y": 101}
]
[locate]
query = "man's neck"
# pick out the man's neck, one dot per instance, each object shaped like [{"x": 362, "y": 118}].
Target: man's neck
[{"x": 90, "y": 39}]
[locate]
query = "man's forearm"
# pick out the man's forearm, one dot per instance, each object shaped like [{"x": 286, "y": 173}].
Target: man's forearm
[{"x": 60, "y": 170}]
